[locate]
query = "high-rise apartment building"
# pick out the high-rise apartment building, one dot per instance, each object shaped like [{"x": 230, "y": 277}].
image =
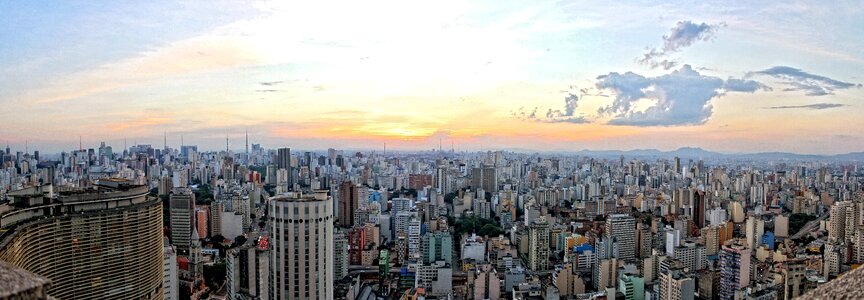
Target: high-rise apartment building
[
  {"x": 621, "y": 231},
  {"x": 676, "y": 283},
  {"x": 538, "y": 245},
  {"x": 301, "y": 255},
  {"x": 734, "y": 269},
  {"x": 111, "y": 247}
]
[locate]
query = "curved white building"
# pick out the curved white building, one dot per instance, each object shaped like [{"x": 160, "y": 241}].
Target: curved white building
[{"x": 301, "y": 256}]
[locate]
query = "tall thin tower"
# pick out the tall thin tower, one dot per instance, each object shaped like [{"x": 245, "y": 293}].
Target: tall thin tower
[{"x": 247, "y": 141}]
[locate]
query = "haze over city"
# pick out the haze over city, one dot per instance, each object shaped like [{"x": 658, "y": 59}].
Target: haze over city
[
  {"x": 449, "y": 150},
  {"x": 727, "y": 76}
]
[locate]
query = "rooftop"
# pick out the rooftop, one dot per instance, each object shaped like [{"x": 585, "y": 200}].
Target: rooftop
[
  {"x": 17, "y": 283},
  {"x": 847, "y": 286}
]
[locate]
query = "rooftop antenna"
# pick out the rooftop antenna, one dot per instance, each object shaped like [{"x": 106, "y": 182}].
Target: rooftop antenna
[
  {"x": 165, "y": 140},
  {"x": 385, "y": 147},
  {"x": 80, "y": 144},
  {"x": 226, "y": 144}
]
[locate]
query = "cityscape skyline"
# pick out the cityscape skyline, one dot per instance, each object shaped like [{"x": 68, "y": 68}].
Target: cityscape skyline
[
  {"x": 729, "y": 77},
  {"x": 456, "y": 149}
]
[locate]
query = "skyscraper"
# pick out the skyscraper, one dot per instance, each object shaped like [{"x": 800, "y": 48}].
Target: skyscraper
[
  {"x": 301, "y": 256},
  {"x": 181, "y": 202},
  {"x": 485, "y": 178},
  {"x": 347, "y": 203},
  {"x": 283, "y": 161}
]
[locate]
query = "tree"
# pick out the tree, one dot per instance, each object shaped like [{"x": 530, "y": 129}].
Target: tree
[
  {"x": 448, "y": 198},
  {"x": 215, "y": 275},
  {"x": 238, "y": 241},
  {"x": 490, "y": 230},
  {"x": 480, "y": 226}
]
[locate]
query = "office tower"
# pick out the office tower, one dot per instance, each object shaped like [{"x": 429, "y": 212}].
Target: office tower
[
  {"x": 711, "y": 235},
  {"x": 436, "y": 278},
  {"x": 604, "y": 273},
  {"x": 632, "y": 286},
  {"x": 301, "y": 255},
  {"x": 700, "y": 203},
  {"x": 282, "y": 179},
  {"x": 538, "y": 245},
  {"x": 734, "y": 269},
  {"x": 621, "y": 230},
  {"x": 202, "y": 220},
  {"x": 676, "y": 283},
  {"x": 485, "y": 178},
  {"x": 677, "y": 165},
  {"x": 414, "y": 251},
  {"x": 169, "y": 270},
  {"x": 692, "y": 255},
  {"x": 348, "y": 203},
  {"x": 283, "y": 161},
  {"x": 216, "y": 209},
  {"x": 182, "y": 205},
  {"x": 438, "y": 246},
  {"x": 114, "y": 238},
  {"x": 486, "y": 282},
  {"x": 247, "y": 269},
  {"x": 340, "y": 255}
]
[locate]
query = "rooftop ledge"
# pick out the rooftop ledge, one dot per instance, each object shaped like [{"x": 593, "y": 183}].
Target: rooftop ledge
[{"x": 847, "y": 286}]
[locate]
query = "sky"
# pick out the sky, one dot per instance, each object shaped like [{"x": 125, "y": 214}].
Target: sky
[{"x": 726, "y": 76}]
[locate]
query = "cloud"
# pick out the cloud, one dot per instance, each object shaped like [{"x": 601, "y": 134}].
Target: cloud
[
  {"x": 567, "y": 115},
  {"x": 523, "y": 114},
  {"x": 682, "y": 97},
  {"x": 683, "y": 35},
  {"x": 816, "y": 106},
  {"x": 270, "y": 83},
  {"x": 811, "y": 84}
]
